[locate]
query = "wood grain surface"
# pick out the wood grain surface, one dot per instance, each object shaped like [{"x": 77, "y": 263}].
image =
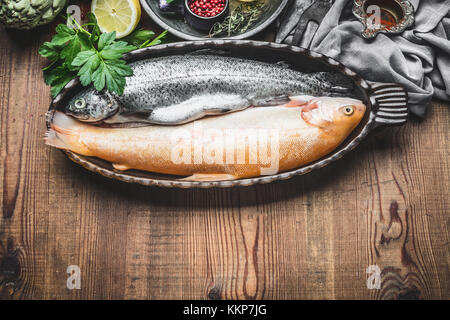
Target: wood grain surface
[{"x": 385, "y": 205}]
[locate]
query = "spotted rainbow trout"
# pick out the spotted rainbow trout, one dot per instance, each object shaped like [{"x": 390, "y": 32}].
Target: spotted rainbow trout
[{"x": 174, "y": 90}]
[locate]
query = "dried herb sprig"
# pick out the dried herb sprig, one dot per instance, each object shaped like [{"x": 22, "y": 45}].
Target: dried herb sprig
[{"x": 240, "y": 19}]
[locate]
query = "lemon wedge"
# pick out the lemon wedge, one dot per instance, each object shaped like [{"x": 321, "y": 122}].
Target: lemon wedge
[{"x": 121, "y": 16}]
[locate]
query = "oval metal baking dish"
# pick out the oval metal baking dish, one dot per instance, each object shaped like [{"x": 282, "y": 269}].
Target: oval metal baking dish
[{"x": 386, "y": 106}]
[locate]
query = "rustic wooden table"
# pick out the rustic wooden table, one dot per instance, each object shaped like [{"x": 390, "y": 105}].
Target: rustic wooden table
[{"x": 386, "y": 205}]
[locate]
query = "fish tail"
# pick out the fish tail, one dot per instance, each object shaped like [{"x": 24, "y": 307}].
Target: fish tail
[{"x": 64, "y": 133}]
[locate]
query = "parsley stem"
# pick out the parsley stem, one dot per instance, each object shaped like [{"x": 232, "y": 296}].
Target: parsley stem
[{"x": 80, "y": 28}]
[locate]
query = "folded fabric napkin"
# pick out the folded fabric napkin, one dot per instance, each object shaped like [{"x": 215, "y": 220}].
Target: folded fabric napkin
[{"x": 418, "y": 58}]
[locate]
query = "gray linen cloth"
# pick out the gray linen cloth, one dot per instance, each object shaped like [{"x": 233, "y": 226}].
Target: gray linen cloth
[{"x": 418, "y": 59}]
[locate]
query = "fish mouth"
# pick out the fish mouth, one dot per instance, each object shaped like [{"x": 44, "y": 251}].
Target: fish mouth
[{"x": 81, "y": 117}]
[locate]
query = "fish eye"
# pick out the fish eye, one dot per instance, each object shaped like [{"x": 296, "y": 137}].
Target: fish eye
[
  {"x": 348, "y": 110},
  {"x": 80, "y": 103}
]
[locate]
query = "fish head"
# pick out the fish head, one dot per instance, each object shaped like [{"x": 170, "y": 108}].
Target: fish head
[
  {"x": 92, "y": 106},
  {"x": 334, "y": 113}
]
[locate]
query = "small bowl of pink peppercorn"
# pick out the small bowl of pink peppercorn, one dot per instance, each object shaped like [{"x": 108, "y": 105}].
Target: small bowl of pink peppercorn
[{"x": 202, "y": 14}]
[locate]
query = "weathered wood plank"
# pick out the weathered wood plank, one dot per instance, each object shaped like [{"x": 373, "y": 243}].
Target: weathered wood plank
[{"x": 386, "y": 204}]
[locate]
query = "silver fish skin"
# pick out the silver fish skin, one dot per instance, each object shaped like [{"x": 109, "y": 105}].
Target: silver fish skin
[{"x": 173, "y": 90}]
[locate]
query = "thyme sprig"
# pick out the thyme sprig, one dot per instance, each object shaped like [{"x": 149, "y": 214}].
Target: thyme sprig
[{"x": 240, "y": 19}]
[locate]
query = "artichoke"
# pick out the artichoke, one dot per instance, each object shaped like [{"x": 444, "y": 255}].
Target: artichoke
[{"x": 28, "y": 14}]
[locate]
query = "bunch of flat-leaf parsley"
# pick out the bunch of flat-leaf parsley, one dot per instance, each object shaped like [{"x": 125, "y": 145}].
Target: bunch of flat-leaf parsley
[{"x": 95, "y": 57}]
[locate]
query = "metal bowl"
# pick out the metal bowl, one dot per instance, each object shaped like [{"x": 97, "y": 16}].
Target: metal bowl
[
  {"x": 386, "y": 106},
  {"x": 204, "y": 23},
  {"x": 178, "y": 27},
  {"x": 394, "y": 16}
]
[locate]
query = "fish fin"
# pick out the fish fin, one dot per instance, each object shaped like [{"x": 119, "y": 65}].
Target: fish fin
[
  {"x": 271, "y": 101},
  {"x": 192, "y": 109},
  {"x": 210, "y": 177},
  {"x": 298, "y": 101},
  {"x": 63, "y": 134},
  {"x": 120, "y": 167}
]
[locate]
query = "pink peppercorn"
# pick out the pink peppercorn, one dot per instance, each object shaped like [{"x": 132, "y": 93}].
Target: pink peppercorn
[{"x": 206, "y": 8}]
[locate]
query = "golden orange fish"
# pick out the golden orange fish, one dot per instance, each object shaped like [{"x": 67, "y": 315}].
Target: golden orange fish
[{"x": 253, "y": 142}]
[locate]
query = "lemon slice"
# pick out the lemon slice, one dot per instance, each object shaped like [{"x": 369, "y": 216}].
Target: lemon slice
[{"x": 121, "y": 16}]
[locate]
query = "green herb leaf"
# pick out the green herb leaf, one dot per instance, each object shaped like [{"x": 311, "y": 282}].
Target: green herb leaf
[
  {"x": 71, "y": 50},
  {"x": 116, "y": 50},
  {"x": 83, "y": 57},
  {"x": 88, "y": 68},
  {"x": 89, "y": 60},
  {"x": 104, "y": 67},
  {"x": 111, "y": 73},
  {"x": 94, "y": 28},
  {"x": 62, "y": 81},
  {"x": 63, "y": 35},
  {"x": 70, "y": 42},
  {"x": 58, "y": 76},
  {"x": 95, "y": 57},
  {"x": 52, "y": 72},
  {"x": 50, "y": 51},
  {"x": 157, "y": 40},
  {"x": 138, "y": 37},
  {"x": 106, "y": 39}
]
